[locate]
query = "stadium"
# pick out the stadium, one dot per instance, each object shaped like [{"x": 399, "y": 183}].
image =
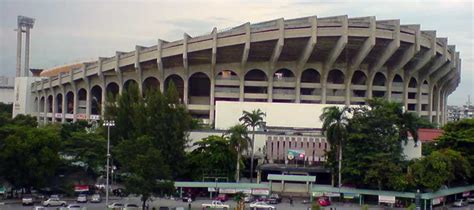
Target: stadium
[{"x": 290, "y": 69}]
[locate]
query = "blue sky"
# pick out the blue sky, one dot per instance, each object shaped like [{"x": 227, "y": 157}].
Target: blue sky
[{"x": 74, "y": 30}]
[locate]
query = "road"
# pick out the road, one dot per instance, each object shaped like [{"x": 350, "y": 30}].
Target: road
[{"x": 196, "y": 205}]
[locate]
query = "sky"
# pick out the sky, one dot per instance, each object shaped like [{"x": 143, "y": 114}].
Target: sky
[{"x": 69, "y": 31}]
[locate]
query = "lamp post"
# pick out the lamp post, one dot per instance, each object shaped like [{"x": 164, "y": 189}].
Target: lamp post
[{"x": 108, "y": 124}]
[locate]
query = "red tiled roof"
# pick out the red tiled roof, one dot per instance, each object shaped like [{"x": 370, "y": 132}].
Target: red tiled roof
[{"x": 428, "y": 134}]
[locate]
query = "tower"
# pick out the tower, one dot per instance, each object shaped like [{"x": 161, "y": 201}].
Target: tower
[{"x": 24, "y": 25}]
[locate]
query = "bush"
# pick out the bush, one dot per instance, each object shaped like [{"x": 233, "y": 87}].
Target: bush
[
  {"x": 411, "y": 207},
  {"x": 365, "y": 207},
  {"x": 315, "y": 206}
]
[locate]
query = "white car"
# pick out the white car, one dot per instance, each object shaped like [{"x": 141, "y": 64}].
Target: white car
[
  {"x": 470, "y": 199},
  {"x": 74, "y": 207},
  {"x": 54, "y": 202},
  {"x": 261, "y": 205},
  {"x": 215, "y": 205},
  {"x": 131, "y": 206},
  {"x": 27, "y": 200},
  {"x": 115, "y": 206},
  {"x": 460, "y": 203},
  {"x": 96, "y": 198},
  {"x": 82, "y": 198}
]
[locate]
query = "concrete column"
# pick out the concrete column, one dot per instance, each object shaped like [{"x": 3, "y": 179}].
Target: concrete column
[
  {"x": 54, "y": 108},
  {"x": 370, "y": 85},
  {"x": 347, "y": 85},
  {"x": 390, "y": 76},
  {"x": 104, "y": 98},
  {"x": 418, "y": 98},
  {"x": 211, "y": 102},
  {"x": 270, "y": 88},
  {"x": 88, "y": 103},
  {"x": 45, "y": 109},
  {"x": 438, "y": 106},
  {"x": 185, "y": 91},
  {"x": 27, "y": 53},
  {"x": 298, "y": 87},
  {"x": 241, "y": 87},
  {"x": 405, "y": 93},
  {"x": 64, "y": 108},
  {"x": 323, "y": 85},
  {"x": 76, "y": 101},
  {"x": 18, "y": 52},
  {"x": 430, "y": 103}
]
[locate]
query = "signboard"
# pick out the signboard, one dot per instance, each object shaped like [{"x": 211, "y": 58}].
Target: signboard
[
  {"x": 69, "y": 116},
  {"x": 227, "y": 190},
  {"x": 245, "y": 191},
  {"x": 41, "y": 114},
  {"x": 58, "y": 115},
  {"x": 260, "y": 191},
  {"x": 211, "y": 189},
  {"x": 318, "y": 194},
  {"x": 81, "y": 116},
  {"x": 466, "y": 194},
  {"x": 350, "y": 195},
  {"x": 81, "y": 188},
  {"x": 386, "y": 199},
  {"x": 332, "y": 194},
  {"x": 95, "y": 117},
  {"x": 298, "y": 154},
  {"x": 49, "y": 114}
]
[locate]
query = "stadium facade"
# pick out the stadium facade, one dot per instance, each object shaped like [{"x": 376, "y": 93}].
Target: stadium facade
[{"x": 309, "y": 60}]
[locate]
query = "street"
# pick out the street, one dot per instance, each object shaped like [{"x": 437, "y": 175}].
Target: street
[{"x": 196, "y": 205}]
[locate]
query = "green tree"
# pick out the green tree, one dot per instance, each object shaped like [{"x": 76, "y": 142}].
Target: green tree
[
  {"x": 335, "y": 129},
  {"x": 459, "y": 136},
  {"x": 29, "y": 156},
  {"x": 145, "y": 165},
  {"x": 239, "y": 141},
  {"x": 87, "y": 150},
  {"x": 252, "y": 119},
  {"x": 212, "y": 156}
]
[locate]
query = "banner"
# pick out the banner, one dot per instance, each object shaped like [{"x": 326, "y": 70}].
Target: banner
[
  {"x": 350, "y": 195},
  {"x": 437, "y": 200},
  {"x": 260, "y": 191},
  {"x": 81, "y": 188},
  {"x": 298, "y": 154},
  {"x": 227, "y": 191},
  {"x": 386, "y": 199},
  {"x": 466, "y": 194}
]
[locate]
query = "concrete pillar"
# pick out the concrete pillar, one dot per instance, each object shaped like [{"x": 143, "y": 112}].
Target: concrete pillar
[
  {"x": 104, "y": 98},
  {"x": 54, "y": 108},
  {"x": 430, "y": 103},
  {"x": 270, "y": 88},
  {"x": 241, "y": 87},
  {"x": 27, "y": 53},
  {"x": 76, "y": 101},
  {"x": 389, "y": 84},
  {"x": 88, "y": 103},
  {"x": 298, "y": 87},
  {"x": 211, "y": 102},
  {"x": 405, "y": 93},
  {"x": 438, "y": 106},
  {"x": 64, "y": 108},
  {"x": 18, "y": 52},
  {"x": 348, "y": 87},
  {"x": 185, "y": 91},
  {"x": 45, "y": 109},
  {"x": 324, "y": 84},
  {"x": 418, "y": 98}
]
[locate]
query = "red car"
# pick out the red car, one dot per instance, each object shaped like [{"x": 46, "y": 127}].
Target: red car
[
  {"x": 324, "y": 201},
  {"x": 222, "y": 198}
]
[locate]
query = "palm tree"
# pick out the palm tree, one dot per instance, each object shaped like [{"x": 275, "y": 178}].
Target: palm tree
[
  {"x": 252, "y": 119},
  {"x": 335, "y": 129},
  {"x": 239, "y": 141}
]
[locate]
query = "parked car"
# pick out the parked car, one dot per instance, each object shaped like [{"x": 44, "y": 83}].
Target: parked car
[
  {"x": 81, "y": 198},
  {"x": 274, "y": 199},
  {"x": 470, "y": 199},
  {"x": 54, "y": 202},
  {"x": 215, "y": 204},
  {"x": 261, "y": 205},
  {"x": 74, "y": 207},
  {"x": 262, "y": 198},
  {"x": 96, "y": 198},
  {"x": 222, "y": 197},
  {"x": 27, "y": 200},
  {"x": 115, "y": 206},
  {"x": 249, "y": 199},
  {"x": 131, "y": 206},
  {"x": 324, "y": 201},
  {"x": 460, "y": 203}
]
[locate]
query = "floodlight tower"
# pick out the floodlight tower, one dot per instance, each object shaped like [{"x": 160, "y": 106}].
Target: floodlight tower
[{"x": 24, "y": 25}]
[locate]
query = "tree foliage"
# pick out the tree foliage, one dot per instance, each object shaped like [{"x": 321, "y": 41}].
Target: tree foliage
[{"x": 213, "y": 155}]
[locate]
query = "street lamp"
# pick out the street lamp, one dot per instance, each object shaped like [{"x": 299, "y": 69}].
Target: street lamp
[{"x": 108, "y": 124}]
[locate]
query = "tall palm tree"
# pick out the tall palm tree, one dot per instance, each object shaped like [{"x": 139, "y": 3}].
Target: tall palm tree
[
  {"x": 239, "y": 142},
  {"x": 335, "y": 129},
  {"x": 252, "y": 119}
]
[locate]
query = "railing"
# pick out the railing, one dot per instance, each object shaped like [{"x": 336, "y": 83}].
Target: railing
[
  {"x": 284, "y": 91},
  {"x": 232, "y": 77},
  {"x": 227, "y": 89},
  {"x": 284, "y": 79}
]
